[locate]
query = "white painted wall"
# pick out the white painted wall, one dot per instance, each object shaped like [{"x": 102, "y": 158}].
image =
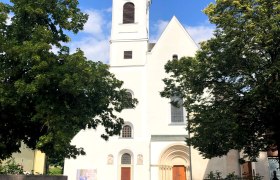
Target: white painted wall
[
  {"x": 262, "y": 166},
  {"x": 124, "y": 37},
  {"x": 97, "y": 151},
  {"x": 174, "y": 40},
  {"x": 137, "y": 30},
  {"x": 138, "y": 49},
  {"x": 25, "y": 158},
  {"x": 143, "y": 75}
]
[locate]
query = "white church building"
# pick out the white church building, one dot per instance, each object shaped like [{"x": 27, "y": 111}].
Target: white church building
[{"x": 152, "y": 143}]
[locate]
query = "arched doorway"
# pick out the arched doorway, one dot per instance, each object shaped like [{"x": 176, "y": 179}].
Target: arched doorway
[
  {"x": 174, "y": 163},
  {"x": 126, "y": 169},
  {"x": 125, "y": 165}
]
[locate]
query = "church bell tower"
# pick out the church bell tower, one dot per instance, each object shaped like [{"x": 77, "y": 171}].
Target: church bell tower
[{"x": 129, "y": 33}]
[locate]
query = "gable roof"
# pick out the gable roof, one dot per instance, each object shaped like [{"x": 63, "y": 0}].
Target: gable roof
[
  {"x": 170, "y": 30},
  {"x": 151, "y": 46}
]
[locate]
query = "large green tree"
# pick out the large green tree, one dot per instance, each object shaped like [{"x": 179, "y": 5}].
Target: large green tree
[
  {"x": 231, "y": 87},
  {"x": 46, "y": 98}
]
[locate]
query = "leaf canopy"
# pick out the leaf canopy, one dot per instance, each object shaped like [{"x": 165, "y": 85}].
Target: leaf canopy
[
  {"x": 231, "y": 87},
  {"x": 46, "y": 98}
]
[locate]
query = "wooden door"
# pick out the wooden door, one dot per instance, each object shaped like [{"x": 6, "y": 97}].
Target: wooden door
[
  {"x": 247, "y": 170},
  {"x": 125, "y": 173},
  {"x": 179, "y": 172}
]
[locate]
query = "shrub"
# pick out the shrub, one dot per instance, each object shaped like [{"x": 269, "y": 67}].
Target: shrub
[
  {"x": 11, "y": 167},
  {"x": 231, "y": 176},
  {"x": 55, "y": 170}
]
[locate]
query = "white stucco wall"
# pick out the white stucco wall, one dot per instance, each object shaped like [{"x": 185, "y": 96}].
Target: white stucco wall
[
  {"x": 137, "y": 30},
  {"x": 157, "y": 150},
  {"x": 201, "y": 167},
  {"x": 134, "y": 79},
  {"x": 174, "y": 40},
  {"x": 25, "y": 158},
  {"x": 153, "y": 132},
  {"x": 98, "y": 150},
  {"x": 138, "y": 53},
  {"x": 262, "y": 166}
]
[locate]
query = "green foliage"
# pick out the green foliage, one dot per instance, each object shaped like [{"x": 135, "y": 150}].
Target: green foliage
[
  {"x": 55, "y": 162},
  {"x": 55, "y": 170},
  {"x": 214, "y": 175},
  {"x": 46, "y": 98},
  {"x": 11, "y": 167},
  {"x": 54, "y": 165},
  {"x": 231, "y": 176},
  {"x": 231, "y": 86}
]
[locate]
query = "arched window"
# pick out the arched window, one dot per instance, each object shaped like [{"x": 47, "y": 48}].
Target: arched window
[
  {"x": 128, "y": 13},
  {"x": 126, "y": 159},
  {"x": 175, "y": 57},
  {"x": 177, "y": 111},
  {"x": 129, "y": 95},
  {"x": 126, "y": 131}
]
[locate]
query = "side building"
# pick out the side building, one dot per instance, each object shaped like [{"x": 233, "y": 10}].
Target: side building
[
  {"x": 31, "y": 161},
  {"x": 152, "y": 143}
]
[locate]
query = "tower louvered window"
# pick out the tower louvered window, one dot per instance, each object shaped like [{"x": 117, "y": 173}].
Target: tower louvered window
[{"x": 128, "y": 13}]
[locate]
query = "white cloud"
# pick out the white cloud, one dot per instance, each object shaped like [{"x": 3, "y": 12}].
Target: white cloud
[
  {"x": 95, "y": 23},
  {"x": 200, "y": 33},
  {"x": 158, "y": 28},
  {"x": 9, "y": 19},
  {"x": 94, "y": 39},
  {"x": 94, "y": 49},
  {"x": 108, "y": 10},
  {"x": 54, "y": 49}
]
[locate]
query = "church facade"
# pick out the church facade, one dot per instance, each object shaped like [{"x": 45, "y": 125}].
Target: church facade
[{"x": 152, "y": 142}]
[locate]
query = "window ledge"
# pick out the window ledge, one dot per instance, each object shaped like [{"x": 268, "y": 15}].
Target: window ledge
[
  {"x": 177, "y": 124},
  {"x": 135, "y": 23}
]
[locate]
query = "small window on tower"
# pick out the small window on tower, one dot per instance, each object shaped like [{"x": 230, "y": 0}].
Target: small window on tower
[{"x": 127, "y": 55}]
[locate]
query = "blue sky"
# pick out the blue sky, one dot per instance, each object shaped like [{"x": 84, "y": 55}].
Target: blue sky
[{"x": 94, "y": 39}]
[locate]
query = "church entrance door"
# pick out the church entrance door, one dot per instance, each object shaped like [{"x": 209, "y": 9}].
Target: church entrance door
[
  {"x": 247, "y": 170},
  {"x": 179, "y": 172},
  {"x": 125, "y": 173}
]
